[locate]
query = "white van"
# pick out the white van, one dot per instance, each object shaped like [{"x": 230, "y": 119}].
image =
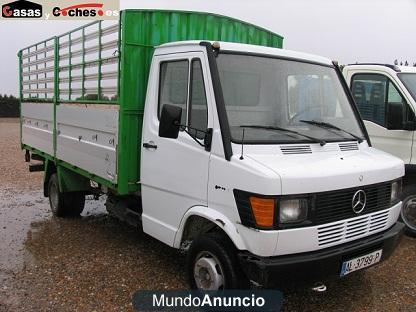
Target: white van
[{"x": 385, "y": 96}]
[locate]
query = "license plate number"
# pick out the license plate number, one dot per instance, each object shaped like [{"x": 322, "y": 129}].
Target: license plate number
[{"x": 361, "y": 262}]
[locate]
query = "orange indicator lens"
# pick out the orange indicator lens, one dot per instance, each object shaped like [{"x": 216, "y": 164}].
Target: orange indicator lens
[{"x": 263, "y": 210}]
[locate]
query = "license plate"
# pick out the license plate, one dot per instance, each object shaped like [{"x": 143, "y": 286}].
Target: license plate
[{"x": 361, "y": 262}]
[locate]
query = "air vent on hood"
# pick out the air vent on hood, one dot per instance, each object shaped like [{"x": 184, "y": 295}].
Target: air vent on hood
[
  {"x": 297, "y": 149},
  {"x": 345, "y": 147}
]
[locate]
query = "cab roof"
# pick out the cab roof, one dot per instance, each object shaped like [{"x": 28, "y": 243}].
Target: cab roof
[
  {"x": 255, "y": 49},
  {"x": 396, "y": 68}
]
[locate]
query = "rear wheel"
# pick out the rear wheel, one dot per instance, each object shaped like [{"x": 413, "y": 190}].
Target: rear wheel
[
  {"x": 64, "y": 204},
  {"x": 408, "y": 213},
  {"x": 213, "y": 265}
]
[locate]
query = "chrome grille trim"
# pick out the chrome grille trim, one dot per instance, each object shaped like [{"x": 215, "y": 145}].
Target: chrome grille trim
[{"x": 354, "y": 228}]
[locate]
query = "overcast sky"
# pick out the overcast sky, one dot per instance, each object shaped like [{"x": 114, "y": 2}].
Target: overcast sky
[{"x": 343, "y": 30}]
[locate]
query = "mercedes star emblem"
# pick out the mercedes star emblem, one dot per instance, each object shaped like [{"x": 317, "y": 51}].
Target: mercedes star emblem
[{"x": 358, "y": 201}]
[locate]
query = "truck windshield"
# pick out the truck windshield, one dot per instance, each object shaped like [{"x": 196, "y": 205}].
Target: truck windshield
[
  {"x": 409, "y": 80},
  {"x": 267, "y": 92}
]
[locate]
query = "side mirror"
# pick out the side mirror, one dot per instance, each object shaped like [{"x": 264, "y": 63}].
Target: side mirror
[
  {"x": 394, "y": 118},
  {"x": 409, "y": 126},
  {"x": 170, "y": 120}
]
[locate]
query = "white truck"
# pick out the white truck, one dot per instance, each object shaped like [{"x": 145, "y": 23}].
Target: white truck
[
  {"x": 252, "y": 159},
  {"x": 386, "y": 98}
]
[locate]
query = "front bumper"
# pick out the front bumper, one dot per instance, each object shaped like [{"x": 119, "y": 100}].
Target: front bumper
[{"x": 319, "y": 265}]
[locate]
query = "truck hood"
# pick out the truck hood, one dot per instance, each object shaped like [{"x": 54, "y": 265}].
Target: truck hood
[{"x": 330, "y": 171}]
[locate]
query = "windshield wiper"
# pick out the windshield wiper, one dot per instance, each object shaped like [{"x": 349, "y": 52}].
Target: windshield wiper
[
  {"x": 272, "y": 128},
  {"x": 331, "y": 126}
]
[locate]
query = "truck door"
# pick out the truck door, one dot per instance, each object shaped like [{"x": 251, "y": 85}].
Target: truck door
[
  {"x": 174, "y": 172},
  {"x": 373, "y": 93}
]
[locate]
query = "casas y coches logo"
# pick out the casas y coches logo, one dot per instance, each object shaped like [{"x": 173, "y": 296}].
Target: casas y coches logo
[
  {"x": 21, "y": 9},
  {"x": 83, "y": 10}
]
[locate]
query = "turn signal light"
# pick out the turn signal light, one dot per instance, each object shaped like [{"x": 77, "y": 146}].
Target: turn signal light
[{"x": 263, "y": 210}]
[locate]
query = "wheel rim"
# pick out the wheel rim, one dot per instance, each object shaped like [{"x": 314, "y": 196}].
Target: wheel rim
[
  {"x": 208, "y": 273},
  {"x": 53, "y": 196},
  {"x": 409, "y": 212}
]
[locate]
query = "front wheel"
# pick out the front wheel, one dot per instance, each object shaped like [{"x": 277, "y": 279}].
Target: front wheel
[
  {"x": 408, "y": 213},
  {"x": 64, "y": 204},
  {"x": 213, "y": 265}
]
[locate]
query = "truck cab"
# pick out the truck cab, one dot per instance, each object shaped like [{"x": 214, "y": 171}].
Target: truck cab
[
  {"x": 385, "y": 96},
  {"x": 262, "y": 147}
]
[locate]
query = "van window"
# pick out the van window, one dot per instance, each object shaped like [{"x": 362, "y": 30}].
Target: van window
[
  {"x": 198, "y": 117},
  {"x": 271, "y": 92},
  {"x": 184, "y": 87},
  {"x": 371, "y": 92},
  {"x": 305, "y": 91},
  {"x": 173, "y": 88},
  {"x": 243, "y": 89},
  {"x": 409, "y": 80}
]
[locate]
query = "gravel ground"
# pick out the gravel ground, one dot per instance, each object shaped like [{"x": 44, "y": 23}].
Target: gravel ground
[{"x": 96, "y": 263}]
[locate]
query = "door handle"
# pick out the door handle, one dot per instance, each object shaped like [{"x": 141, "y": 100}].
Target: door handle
[{"x": 149, "y": 145}]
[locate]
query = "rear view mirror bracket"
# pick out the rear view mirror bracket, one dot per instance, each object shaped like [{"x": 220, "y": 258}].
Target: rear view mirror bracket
[
  {"x": 170, "y": 125},
  {"x": 207, "y": 137}
]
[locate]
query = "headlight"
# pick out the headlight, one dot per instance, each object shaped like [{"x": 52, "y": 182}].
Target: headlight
[
  {"x": 293, "y": 210},
  {"x": 273, "y": 212},
  {"x": 396, "y": 189}
]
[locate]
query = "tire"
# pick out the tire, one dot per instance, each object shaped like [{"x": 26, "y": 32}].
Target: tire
[
  {"x": 64, "y": 204},
  {"x": 214, "y": 250},
  {"x": 408, "y": 212},
  {"x": 74, "y": 204}
]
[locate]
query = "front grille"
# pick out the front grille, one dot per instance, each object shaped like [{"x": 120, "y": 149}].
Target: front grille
[
  {"x": 337, "y": 205},
  {"x": 352, "y": 229}
]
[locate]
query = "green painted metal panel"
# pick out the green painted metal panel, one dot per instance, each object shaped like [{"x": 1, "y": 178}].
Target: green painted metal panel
[{"x": 141, "y": 31}]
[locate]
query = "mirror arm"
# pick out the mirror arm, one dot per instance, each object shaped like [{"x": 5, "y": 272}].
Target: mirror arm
[
  {"x": 194, "y": 138},
  {"x": 185, "y": 129},
  {"x": 207, "y": 137}
]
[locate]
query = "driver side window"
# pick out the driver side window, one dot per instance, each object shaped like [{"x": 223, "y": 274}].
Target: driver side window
[
  {"x": 182, "y": 84},
  {"x": 372, "y": 94},
  {"x": 173, "y": 86}
]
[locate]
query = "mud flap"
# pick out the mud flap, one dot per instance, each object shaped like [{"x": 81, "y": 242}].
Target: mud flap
[{"x": 70, "y": 181}]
